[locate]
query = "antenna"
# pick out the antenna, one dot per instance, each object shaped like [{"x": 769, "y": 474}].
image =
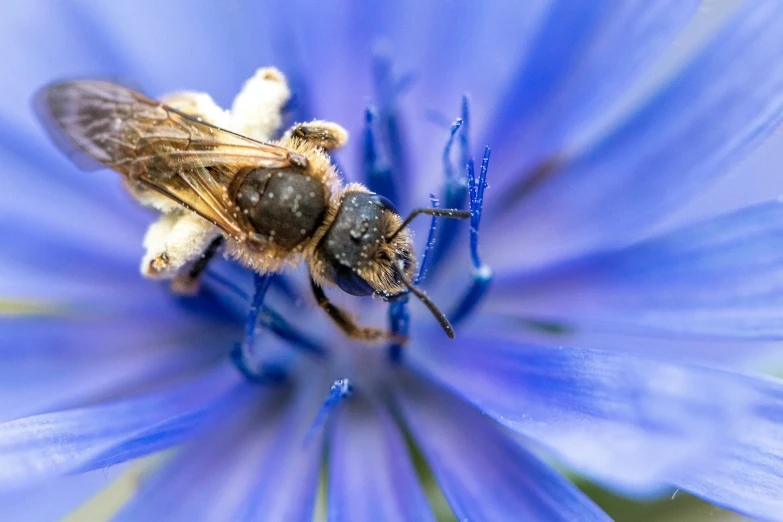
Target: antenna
[
  {"x": 424, "y": 298},
  {"x": 437, "y": 212}
]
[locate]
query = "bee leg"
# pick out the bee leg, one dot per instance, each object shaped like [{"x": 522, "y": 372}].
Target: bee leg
[
  {"x": 199, "y": 105},
  {"x": 324, "y": 134},
  {"x": 257, "y": 110},
  {"x": 345, "y": 323},
  {"x": 174, "y": 243},
  {"x": 187, "y": 283}
]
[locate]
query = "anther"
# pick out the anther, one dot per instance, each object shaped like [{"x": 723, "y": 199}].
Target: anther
[
  {"x": 482, "y": 274},
  {"x": 455, "y": 191}
]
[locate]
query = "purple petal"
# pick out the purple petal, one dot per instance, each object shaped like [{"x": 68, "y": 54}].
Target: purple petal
[
  {"x": 747, "y": 476},
  {"x": 584, "y": 56},
  {"x": 684, "y": 137},
  {"x": 79, "y": 440},
  {"x": 286, "y": 479},
  {"x": 727, "y": 352},
  {"x": 445, "y": 50},
  {"x": 55, "y": 498},
  {"x": 371, "y": 476},
  {"x": 42, "y": 42},
  {"x": 62, "y": 239},
  {"x": 722, "y": 277},
  {"x": 483, "y": 473},
  {"x": 629, "y": 421},
  {"x": 51, "y": 364},
  {"x": 217, "y": 476}
]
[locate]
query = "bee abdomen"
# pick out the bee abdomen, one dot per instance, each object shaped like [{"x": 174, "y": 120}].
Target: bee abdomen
[{"x": 283, "y": 206}]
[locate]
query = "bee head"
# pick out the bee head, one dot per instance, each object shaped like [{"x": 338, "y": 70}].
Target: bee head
[{"x": 363, "y": 250}]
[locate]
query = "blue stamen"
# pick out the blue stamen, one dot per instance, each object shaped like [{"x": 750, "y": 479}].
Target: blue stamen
[
  {"x": 399, "y": 320},
  {"x": 455, "y": 190},
  {"x": 261, "y": 283},
  {"x": 448, "y": 168},
  {"x": 476, "y": 204},
  {"x": 472, "y": 297},
  {"x": 341, "y": 389},
  {"x": 240, "y": 354},
  {"x": 482, "y": 274},
  {"x": 267, "y": 373},
  {"x": 430, "y": 243},
  {"x": 399, "y": 317},
  {"x": 378, "y": 175},
  {"x": 272, "y": 321}
]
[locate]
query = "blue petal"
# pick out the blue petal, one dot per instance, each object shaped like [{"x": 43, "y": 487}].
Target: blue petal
[
  {"x": 371, "y": 476},
  {"x": 584, "y": 56},
  {"x": 445, "y": 48},
  {"x": 160, "y": 47},
  {"x": 65, "y": 234},
  {"x": 79, "y": 440},
  {"x": 483, "y": 473},
  {"x": 747, "y": 476},
  {"x": 286, "y": 479},
  {"x": 56, "y": 498},
  {"x": 41, "y": 41},
  {"x": 631, "y": 422},
  {"x": 220, "y": 475},
  {"x": 51, "y": 201},
  {"x": 722, "y": 277},
  {"x": 54, "y": 364},
  {"x": 684, "y": 137}
]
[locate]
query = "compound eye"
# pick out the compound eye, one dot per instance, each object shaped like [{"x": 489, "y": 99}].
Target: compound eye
[
  {"x": 385, "y": 203},
  {"x": 352, "y": 283}
]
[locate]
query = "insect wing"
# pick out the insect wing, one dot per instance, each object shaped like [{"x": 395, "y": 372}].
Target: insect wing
[{"x": 192, "y": 162}]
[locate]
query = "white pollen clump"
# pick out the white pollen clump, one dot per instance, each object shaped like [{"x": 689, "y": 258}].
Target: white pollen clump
[
  {"x": 180, "y": 236},
  {"x": 256, "y": 109},
  {"x": 173, "y": 241},
  {"x": 199, "y": 104}
]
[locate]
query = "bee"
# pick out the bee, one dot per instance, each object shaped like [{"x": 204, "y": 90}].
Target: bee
[{"x": 273, "y": 204}]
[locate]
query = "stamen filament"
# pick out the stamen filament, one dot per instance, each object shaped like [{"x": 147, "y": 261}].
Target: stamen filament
[
  {"x": 399, "y": 320},
  {"x": 482, "y": 274},
  {"x": 267, "y": 373},
  {"x": 273, "y": 321},
  {"x": 430, "y": 243},
  {"x": 476, "y": 204},
  {"x": 455, "y": 190},
  {"x": 341, "y": 389},
  {"x": 261, "y": 283}
]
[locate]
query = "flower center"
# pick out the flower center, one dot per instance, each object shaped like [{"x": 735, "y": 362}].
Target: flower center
[{"x": 385, "y": 169}]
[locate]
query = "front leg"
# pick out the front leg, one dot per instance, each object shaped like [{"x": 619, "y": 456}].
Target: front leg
[{"x": 344, "y": 321}]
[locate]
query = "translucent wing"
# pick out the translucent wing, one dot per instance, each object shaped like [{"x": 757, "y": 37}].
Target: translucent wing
[{"x": 192, "y": 162}]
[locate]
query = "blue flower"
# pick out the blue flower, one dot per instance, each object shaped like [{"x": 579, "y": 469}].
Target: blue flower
[{"x": 101, "y": 366}]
